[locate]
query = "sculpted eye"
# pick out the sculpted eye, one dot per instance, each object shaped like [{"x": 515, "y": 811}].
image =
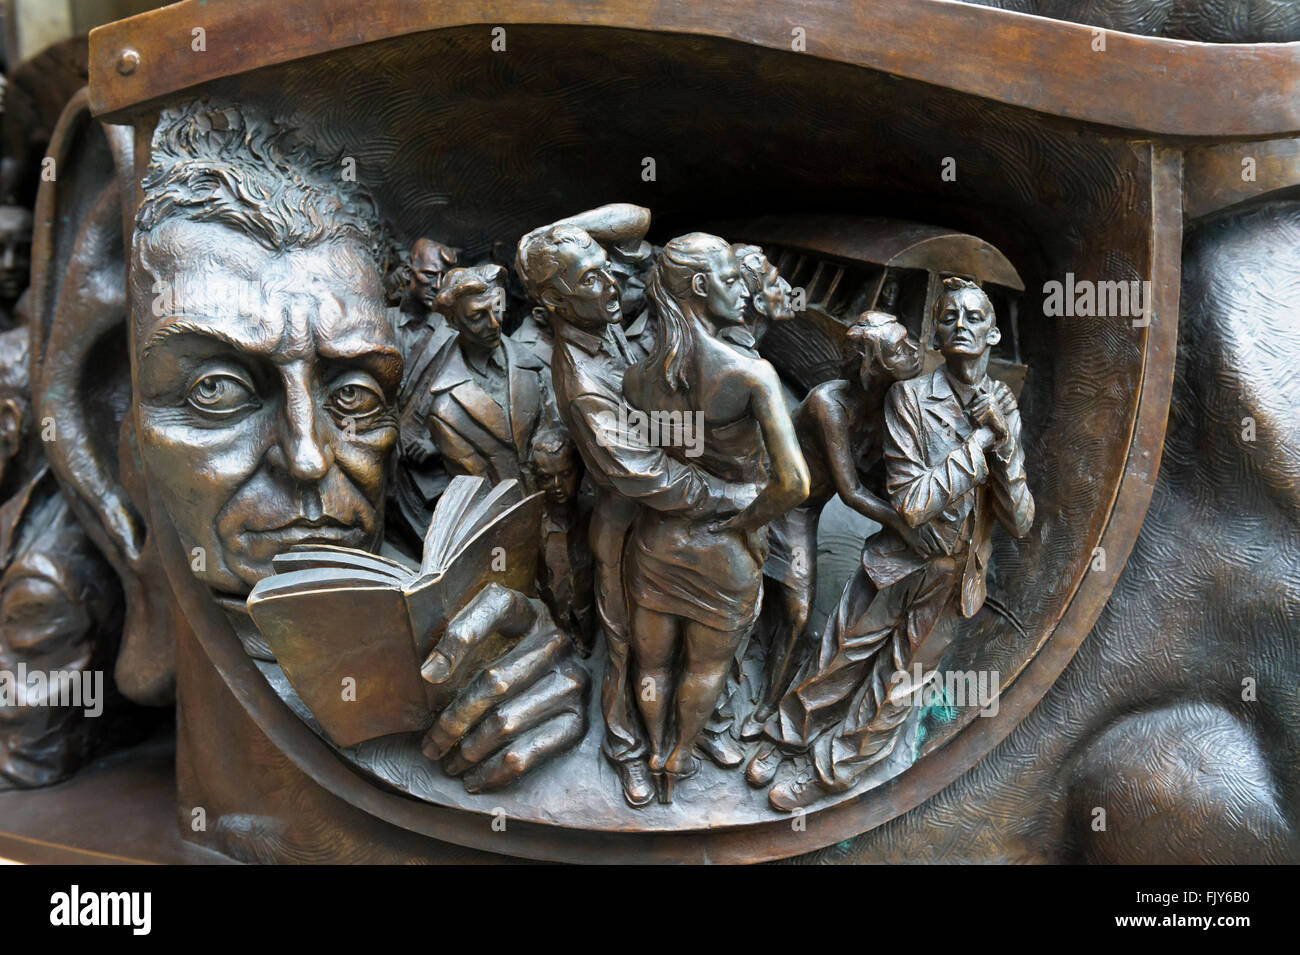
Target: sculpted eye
[
  {"x": 221, "y": 394},
  {"x": 354, "y": 398}
]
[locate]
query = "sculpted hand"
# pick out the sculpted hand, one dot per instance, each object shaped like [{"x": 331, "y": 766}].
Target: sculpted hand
[
  {"x": 1004, "y": 399},
  {"x": 908, "y": 534},
  {"x": 419, "y": 451},
  {"x": 518, "y": 710},
  {"x": 987, "y": 413}
]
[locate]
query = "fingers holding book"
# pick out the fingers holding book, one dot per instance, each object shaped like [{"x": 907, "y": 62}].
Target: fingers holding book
[{"x": 521, "y": 708}]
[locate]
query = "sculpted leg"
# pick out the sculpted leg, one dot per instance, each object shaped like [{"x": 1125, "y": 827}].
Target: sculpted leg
[
  {"x": 708, "y": 655},
  {"x": 654, "y": 638},
  {"x": 784, "y": 654},
  {"x": 624, "y": 740}
]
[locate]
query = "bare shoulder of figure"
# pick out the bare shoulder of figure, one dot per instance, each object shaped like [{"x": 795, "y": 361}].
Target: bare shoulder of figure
[
  {"x": 825, "y": 400},
  {"x": 754, "y": 372}
]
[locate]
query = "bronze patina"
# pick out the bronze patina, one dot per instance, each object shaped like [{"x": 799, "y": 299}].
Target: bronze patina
[{"x": 657, "y": 434}]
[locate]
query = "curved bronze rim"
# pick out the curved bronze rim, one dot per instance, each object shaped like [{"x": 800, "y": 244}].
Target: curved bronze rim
[{"x": 1168, "y": 87}]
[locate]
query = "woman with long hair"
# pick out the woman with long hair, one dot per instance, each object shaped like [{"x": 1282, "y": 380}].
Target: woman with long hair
[{"x": 694, "y": 583}]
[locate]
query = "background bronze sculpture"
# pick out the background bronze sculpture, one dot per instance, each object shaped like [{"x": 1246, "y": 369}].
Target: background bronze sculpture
[{"x": 1061, "y": 201}]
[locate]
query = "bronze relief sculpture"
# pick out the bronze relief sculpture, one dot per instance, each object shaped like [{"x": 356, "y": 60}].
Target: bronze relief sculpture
[{"x": 659, "y": 530}]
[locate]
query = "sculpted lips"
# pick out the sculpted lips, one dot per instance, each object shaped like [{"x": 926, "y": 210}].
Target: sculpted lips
[{"x": 264, "y": 544}]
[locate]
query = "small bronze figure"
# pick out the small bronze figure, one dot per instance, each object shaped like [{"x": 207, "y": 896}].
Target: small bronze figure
[
  {"x": 565, "y": 269},
  {"x": 565, "y": 570},
  {"x": 421, "y": 328},
  {"x": 694, "y": 580},
  {"x": 954, "y": 464},
  {"x": 841, "y": 431},
  {"x": 421, "y": 332},
  {"x": 60, "y": 609},
  {"x": 489, "y": 395}
]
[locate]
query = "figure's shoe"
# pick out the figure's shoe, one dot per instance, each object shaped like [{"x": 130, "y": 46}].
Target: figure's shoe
[
  {"x": 690, "y": 768},
  {"x": 638, "y": 787},
  {"x": 752, "y": 728},
  {"x": 798, "y": 792},
  {"x": 666, "y": 778},
  {"x": 722, "y": 749},
  {"x": 762, "y": 768}
]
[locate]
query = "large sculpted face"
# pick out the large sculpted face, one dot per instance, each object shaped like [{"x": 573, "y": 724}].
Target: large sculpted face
[
  {"x": 265, "y": 396},
  {"x": 964, "y": 325}
]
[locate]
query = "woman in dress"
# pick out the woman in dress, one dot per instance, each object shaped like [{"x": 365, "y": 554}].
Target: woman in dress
[{"x": 694, "y": 583}]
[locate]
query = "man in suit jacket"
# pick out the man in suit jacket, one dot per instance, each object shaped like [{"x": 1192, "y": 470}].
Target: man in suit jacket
[
  {"x": 419, "y": 476},
  {"x": 488, "y": 393},
  {"x": 954, "y": 465}
]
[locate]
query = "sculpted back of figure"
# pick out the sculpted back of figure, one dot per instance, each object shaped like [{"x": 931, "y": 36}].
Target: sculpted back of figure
[{"x": 695, "y": 580}]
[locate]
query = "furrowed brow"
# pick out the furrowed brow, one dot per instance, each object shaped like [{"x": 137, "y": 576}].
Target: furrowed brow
[{"x": 196, "y": 329}]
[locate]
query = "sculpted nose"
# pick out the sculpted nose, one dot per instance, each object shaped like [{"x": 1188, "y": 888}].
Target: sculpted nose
[
  {"x": 304, "y": 454},
  {"x": 308, "y": 459}
]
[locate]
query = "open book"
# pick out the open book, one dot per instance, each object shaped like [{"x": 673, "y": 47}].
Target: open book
[{"x": 350, "y": 629}]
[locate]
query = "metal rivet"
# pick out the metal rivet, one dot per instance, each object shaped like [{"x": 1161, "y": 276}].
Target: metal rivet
[{"x": 127, "y": 62}]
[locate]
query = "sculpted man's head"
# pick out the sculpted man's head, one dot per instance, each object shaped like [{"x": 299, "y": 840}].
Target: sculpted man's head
[
  {"x": 266, "y": 367},
  {"x": 474, "y": 301},
  {"x": 964, "y": 324},
  {"x": 557, "y": 465},
  {"x": 429, "y": 262},
  {"x": 769, "y": 294},
  {"x": 567, "y": 271}
]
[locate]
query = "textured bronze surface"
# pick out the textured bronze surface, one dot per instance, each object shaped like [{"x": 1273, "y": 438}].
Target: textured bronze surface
[{"x": 274, "y": 314}]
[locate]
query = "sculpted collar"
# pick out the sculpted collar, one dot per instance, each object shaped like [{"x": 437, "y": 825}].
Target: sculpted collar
[
  {"x": 451, "y": 369},
  {"x": 963, "y": 392},
  {"x": 611, "y": 342}
]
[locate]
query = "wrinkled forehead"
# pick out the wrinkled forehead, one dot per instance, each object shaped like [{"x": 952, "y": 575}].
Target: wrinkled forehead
[
  {"x": 965, "y": 300},
  {"x": 208, "y": 277}
]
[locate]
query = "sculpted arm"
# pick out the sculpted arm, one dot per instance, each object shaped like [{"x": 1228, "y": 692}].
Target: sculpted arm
[
  {"x": 613, "y": 224},
  {"x": 833, "y": 439},
  {"x": 1012, "y": 502},
  {"x": 642, "y": 473},
  {"x": 789, "y": 484}
]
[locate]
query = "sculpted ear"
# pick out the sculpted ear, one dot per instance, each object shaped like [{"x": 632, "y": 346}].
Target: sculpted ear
[
  {"x": 699, "y": 284},
  {"x": 81, "y": 378},
  {"x": 995, "y": 335},
  {"x": 550, "y": 298}
]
